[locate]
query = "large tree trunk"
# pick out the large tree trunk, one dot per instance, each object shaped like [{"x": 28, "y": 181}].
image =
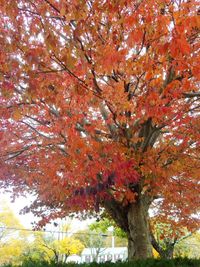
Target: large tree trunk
[
  {"x": 133, "y": 219},
  {"x": 139, "y": 243}
]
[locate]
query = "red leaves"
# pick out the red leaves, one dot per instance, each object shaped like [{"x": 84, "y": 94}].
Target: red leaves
[
  {"x": 135, "y": 37},
  {"x": 92, "y": 90},
  {"x": 111, "y": 58},
  {"x": 125, "y": 173},
  {"x": 180, "y": 45}
]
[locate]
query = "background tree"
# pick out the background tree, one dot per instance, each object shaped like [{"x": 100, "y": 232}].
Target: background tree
[
  {"x": 39, "y": 249},
  {"x": 100, "y": 108},
  {"x": 13, "y": 242},
  {"x": 93, "y": 239},
  {"x": 12, "y": 252},
  {"x": 68, "y": 246},
  {"x": 9, "y": 223},
  {"x": 166, "y": 235},
  {"x": 104, "y": 226},
  {"x": 179, "y": 244},
  {"x": 48, "y": 248},
  {"x": 188, "y": 247}
]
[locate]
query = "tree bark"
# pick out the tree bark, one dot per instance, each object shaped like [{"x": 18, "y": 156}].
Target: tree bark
[
  {"x": 133, "y": 219},
  {"x": 167, "y": 253},
  {"x": 139, "y": 243}
]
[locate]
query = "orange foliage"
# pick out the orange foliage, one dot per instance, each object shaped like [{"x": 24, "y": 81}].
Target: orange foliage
[{"x": 98, "y": 97}]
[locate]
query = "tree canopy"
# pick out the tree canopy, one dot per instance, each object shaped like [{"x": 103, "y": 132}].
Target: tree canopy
[{"x": 100, "y": 108}]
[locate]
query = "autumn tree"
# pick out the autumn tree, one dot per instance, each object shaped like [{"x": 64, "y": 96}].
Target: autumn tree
[
  {"x": 168, "y": 244},
  {"x": 100, "y": 109},
  {"x": 8, "y": 223},
  {"x": 13, "y": 242},
  {"x": 38, "y": 248},
  {"x": 48, "y": 248},
  {"x": 68, "y": 246},
  {"x": 166, "y": 236},
  {"x": 188, "y": 247}
]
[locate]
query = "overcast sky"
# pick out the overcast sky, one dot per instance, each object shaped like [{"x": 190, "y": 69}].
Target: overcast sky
[{"x": 28, "y": 218}]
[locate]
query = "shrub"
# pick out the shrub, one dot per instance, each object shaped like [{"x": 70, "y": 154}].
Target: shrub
[{"x": 177, "y": 262}]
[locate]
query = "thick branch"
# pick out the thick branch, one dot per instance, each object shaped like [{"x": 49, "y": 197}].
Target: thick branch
[
  {"x": 154, "y": 243},
  {"x": 192, "y": 94},
  {"x": 118, "y": 213}
]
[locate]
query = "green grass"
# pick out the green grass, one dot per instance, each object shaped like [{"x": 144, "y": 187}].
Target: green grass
[{"x": 179, "y": 262}]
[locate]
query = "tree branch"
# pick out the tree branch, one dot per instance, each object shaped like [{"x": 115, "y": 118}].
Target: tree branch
[{"x": 192, "y": 94}]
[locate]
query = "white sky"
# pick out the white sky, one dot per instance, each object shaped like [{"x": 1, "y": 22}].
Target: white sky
[{"x": 28, "y": 218}]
